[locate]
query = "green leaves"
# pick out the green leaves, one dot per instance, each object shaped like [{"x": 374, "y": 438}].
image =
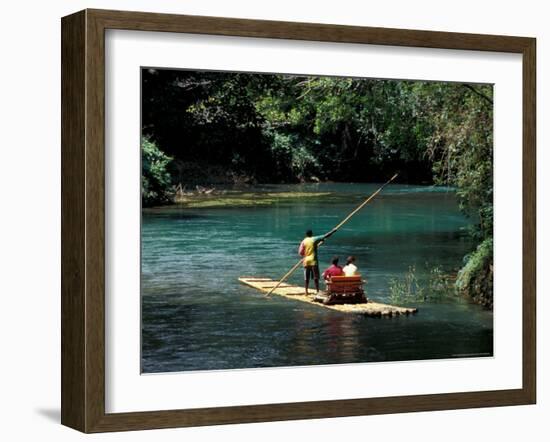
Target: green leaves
[
  {"x": 460, "y": 145},
  {"x": 476, "y": 277},
  {"x": 155, "y": 178}
]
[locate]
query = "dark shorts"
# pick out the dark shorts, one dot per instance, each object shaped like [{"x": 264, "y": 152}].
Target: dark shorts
[{"x": 310, "y": 271}]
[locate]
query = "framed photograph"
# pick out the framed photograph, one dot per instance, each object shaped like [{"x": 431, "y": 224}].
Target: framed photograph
[{"x": 269, "y": 220}]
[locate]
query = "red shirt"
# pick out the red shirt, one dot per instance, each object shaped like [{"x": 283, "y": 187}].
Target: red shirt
[{"x": 333, "y": 270}]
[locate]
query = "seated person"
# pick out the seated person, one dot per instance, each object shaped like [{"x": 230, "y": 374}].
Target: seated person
[
  {"x": 333, "y": 270},
  {"x": 350, "y": 269}
]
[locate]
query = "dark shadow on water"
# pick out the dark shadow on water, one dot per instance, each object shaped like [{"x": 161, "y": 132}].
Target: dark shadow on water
[{"x": 51, "y": 414}]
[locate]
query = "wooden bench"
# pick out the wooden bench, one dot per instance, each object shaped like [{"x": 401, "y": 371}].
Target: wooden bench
[{"x": 345, "y": 290}]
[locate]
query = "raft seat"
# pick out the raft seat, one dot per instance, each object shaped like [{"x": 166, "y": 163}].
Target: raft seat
[{"x": 345, "y": 290}]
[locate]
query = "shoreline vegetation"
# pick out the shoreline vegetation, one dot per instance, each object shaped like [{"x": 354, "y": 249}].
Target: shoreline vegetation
[
  {"x": 205, "y": 131},
  {"x": 208, "y": 197}
]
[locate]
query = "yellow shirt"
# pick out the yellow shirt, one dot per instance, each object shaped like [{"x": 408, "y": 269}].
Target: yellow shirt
[{"x": 310, "y": 250}]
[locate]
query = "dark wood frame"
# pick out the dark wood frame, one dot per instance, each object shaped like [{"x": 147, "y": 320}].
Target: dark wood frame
[{"x": 83, "y": 216}]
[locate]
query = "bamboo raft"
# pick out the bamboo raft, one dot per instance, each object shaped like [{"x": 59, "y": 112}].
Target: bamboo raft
[{"x": 370, "y": 308}]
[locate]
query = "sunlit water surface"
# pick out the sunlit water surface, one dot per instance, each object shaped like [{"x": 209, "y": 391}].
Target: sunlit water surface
[{"x": 197, "y": 316}]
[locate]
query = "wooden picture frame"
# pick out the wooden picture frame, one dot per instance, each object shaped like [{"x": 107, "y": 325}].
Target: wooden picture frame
[{"x": 83, "y": 220}]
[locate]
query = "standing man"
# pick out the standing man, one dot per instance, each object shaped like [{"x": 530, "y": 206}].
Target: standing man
[{"x": 308, "y": 249}]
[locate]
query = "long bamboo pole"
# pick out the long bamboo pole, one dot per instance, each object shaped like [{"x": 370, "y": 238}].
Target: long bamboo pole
[{"x": 344, "y": 221}]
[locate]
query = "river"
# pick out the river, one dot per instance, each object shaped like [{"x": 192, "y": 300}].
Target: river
[{"x": 197, "y": 316}]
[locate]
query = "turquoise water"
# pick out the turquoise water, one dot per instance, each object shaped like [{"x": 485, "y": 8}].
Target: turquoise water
[{"x": 196, "y": 315}]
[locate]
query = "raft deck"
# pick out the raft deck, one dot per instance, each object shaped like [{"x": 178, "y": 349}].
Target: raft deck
[{"x": 370, "y": 308}]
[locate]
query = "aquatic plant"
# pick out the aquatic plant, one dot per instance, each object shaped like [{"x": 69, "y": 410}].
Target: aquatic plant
[
  {"x": 406, "y": 289},
  {"x": 411, "y": 289}
]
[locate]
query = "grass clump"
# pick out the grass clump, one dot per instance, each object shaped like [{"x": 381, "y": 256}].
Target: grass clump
[
  {"x": 406, "y": 289},
  {"x": 412, "y": 289}
]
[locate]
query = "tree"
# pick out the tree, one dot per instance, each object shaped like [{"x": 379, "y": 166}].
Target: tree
[{"x": 155, "y": 178}]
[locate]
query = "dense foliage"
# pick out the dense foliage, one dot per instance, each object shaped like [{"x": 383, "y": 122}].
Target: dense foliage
[
  {"x": 204, "y": 128},
  {"x": 476, "y": 277},
  {"x": 155, "y": 178}
]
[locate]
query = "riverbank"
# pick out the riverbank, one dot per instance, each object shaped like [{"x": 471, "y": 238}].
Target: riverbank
[
  {"x": 475, "y": 279},
  {"x": 245, "y": 195},
  {"x": 212, "y": 197}
]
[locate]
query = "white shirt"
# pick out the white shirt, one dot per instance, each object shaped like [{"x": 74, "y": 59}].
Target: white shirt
[{"x": 350, "y": 270}]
